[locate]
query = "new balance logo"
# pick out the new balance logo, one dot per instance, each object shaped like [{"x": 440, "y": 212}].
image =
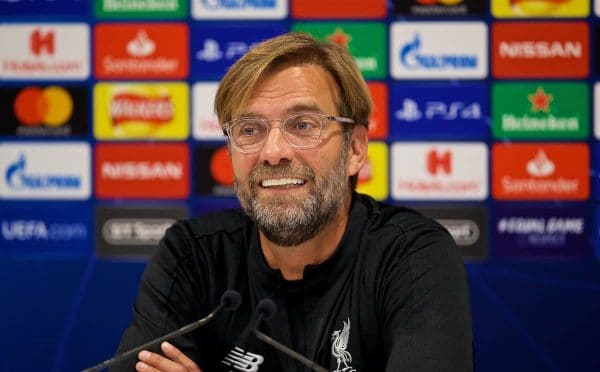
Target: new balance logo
[{"x": 242, "y": 360}]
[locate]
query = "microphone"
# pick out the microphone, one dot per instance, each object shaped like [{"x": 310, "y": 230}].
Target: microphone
[
  {"x": 230, "y": 300},
  {"x": 265, "y": 310}
]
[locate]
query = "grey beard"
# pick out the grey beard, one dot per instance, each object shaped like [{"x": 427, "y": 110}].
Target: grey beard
[{"x": 287, "y": 225}]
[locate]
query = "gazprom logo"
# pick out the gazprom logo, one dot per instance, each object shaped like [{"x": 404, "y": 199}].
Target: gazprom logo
[
  {"x": 239, "y": 4},
  {"x": 412, "y": 58},
  {"x": 17, "y": 178}
]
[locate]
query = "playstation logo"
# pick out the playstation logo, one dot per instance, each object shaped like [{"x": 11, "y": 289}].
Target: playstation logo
[
  {"x": 210, "y": 51},
  {"x": 409, "y": 111}
]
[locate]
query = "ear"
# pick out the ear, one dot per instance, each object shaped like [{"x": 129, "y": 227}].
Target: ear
[{"x": 358, "y": 149}]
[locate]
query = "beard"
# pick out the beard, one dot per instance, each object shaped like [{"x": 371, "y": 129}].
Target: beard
[{"x": 289, "y": 220}]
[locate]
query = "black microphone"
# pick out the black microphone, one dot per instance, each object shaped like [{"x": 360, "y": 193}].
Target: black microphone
[
  {"x": 265, "y": 310},
  {"x": 230, "y": 300}
]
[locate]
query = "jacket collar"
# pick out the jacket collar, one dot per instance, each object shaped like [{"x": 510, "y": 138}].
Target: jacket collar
[{"x": 315, "y": 276}]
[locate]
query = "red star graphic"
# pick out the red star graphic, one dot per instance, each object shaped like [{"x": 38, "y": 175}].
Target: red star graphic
[
  {"x": 340, "y": 38},
  {"x": 540, "y": 100}
]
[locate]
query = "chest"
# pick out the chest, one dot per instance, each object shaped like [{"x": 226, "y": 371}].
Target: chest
[{"x": 338, "y": 329}]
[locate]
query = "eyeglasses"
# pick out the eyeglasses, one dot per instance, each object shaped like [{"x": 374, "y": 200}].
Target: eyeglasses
[{"x": 301, "y": 131}]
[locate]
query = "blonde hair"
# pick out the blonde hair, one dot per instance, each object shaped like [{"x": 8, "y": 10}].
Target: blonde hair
[{"x": 294, "y": 48}]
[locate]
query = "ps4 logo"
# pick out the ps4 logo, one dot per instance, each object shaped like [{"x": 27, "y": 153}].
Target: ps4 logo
[
  {"x": 211, "y": 50},
  {"x": 437, "y": 110}
]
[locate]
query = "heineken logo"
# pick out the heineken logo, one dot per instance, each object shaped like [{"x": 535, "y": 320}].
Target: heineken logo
[
  {"x": 531, "y": 110},
  {"x": 340, "y": 38},
  {"x": 364, "y": 40},
  {"x": 540, "y": 100}
]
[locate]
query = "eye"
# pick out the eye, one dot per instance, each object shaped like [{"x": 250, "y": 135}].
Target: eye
[
  {"x": 249, "y": 128},
  {"x": 303, "y": 124},
  {"x": 248, "y": 131}
]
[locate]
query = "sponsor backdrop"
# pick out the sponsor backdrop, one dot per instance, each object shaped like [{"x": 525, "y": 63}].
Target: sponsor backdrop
[{"x": 484, "y": 120}]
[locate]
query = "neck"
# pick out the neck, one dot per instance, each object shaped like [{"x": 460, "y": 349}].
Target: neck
[{"x": 291, "y": 261}]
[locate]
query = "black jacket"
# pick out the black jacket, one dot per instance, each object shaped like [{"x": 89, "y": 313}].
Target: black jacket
[{"x": 392, "y": 297}]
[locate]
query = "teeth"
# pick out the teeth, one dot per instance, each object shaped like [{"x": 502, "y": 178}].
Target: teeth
[{"x": 281, "y": 182}]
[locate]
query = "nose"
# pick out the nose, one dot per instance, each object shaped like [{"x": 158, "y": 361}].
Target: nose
[{"x": 276, "y": 149}]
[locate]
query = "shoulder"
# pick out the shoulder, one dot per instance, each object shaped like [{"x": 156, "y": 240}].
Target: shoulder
[
  {"x": 206, "y": 235},
  {"x": 405, "y": 224},
  {"x": 401, "y": 238},
  {"x": 215, "y": 223}
]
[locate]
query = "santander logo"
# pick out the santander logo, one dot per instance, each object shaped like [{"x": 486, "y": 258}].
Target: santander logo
[
  {"x": 141, "y": 45},
  {"x": 540, "y": 166}
]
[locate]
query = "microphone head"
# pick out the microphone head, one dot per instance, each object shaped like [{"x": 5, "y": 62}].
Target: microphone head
[
  {"x": 231, "y": 299},
  {"x": 266, "y": 308}
]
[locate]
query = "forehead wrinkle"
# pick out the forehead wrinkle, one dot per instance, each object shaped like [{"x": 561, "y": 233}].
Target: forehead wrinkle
[
  {"x": 312, "y": 82},
  {"x": 296, "y": 108}
]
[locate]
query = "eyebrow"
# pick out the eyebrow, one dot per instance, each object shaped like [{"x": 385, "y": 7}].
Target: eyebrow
[{"x": 299, "y": 107}]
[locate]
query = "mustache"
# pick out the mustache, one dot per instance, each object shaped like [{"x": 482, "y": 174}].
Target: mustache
[{"x": 281, "y": 171}]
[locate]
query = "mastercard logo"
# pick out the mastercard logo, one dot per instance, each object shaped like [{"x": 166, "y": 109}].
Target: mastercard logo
[
  {"x": 536, "y": 7},
  {"x": 220, "y": 167},
  {"x": 51, "y": 106}
]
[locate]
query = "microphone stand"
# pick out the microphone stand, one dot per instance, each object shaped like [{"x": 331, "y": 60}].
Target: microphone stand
[
  {"x": 187, "y": 328},
  {"x": 286, "y": 350}
]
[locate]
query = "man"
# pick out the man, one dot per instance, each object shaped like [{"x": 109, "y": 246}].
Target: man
[{"x": 359, "y": 286}]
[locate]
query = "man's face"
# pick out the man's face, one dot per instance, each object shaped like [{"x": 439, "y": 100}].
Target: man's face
[{"x": 292, "y": 194}]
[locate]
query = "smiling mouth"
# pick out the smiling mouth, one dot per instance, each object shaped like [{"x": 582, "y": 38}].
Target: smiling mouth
[{"x": 282, "y": 182}]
